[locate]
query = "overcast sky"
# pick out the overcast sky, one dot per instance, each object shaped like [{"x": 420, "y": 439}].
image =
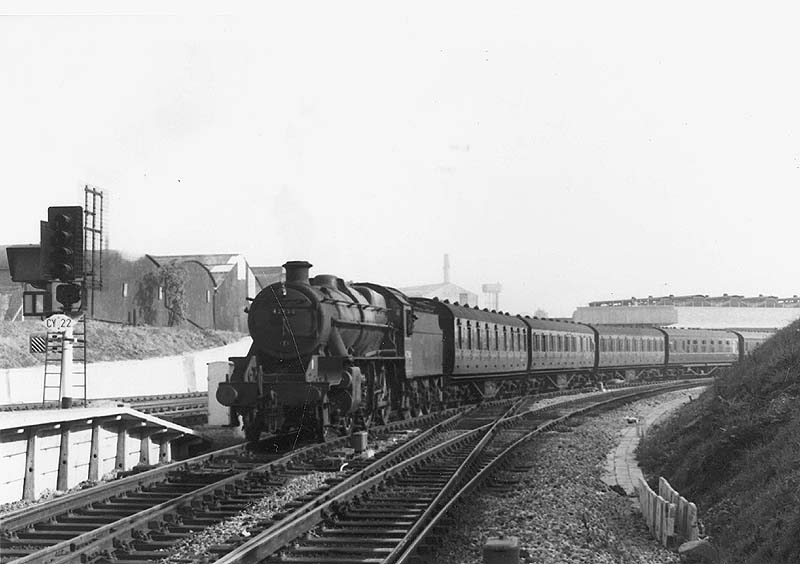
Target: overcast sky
[{"x": 572, "y": 151}]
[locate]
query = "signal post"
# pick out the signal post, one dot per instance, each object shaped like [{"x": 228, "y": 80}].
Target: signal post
[{"x": 57, "y": 263}]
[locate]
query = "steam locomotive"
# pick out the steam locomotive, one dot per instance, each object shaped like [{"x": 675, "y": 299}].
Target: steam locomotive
[{"x": 328, "y": 356}]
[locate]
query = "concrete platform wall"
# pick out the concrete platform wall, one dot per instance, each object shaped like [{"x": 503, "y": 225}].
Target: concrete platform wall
[
  {"x": 166, "y": 375},
  {"x": 54, "y": 449}
]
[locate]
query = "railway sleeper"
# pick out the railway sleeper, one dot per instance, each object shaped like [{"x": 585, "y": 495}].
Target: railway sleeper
[
  {"x": 403, "y": 501},
  {"x": 386, "y": 540},
  {"x": 392, "y": 523},
  {"x": 350, "y": 549},
  {"x": 384, "y": 513},
  {"x": 9, "y": 554},
  {"x": 26, "y": 542},
  {"x": 117, "y": 512},
  {"x": 146, "y": 545},
  {"x": 93, "y": 521},
  {"x": 125, "y": 503},
  {"x": 323, "y": 560},
  {"x": 139, "y": 555},
  {"x": 366, "y": 532},
  {"x": 53, "y": 531}
]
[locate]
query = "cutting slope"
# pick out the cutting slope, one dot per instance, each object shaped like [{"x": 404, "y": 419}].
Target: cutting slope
[{"x": 735, "y": 451}]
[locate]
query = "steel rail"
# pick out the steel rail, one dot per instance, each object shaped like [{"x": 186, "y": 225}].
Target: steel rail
[
  {"x": 102, "y": 538},
  {"x": 307, "y": 517},
  {"x": 406, "y": 551}
]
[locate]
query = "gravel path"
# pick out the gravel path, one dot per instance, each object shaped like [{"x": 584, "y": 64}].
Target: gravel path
[{"x": 561, "y": 511}]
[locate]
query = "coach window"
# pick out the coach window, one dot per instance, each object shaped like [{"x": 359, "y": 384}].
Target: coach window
[
  {"x": 580, "y": 340},
  {"x": 703, "y": 345},
  {"x": 488, "y": 337},
  {"x": 496, "y": 338},
  {"x": 694, "y": 345},
  {"x": 124, "y": 289},
  {"x": 458, "y": 328}
]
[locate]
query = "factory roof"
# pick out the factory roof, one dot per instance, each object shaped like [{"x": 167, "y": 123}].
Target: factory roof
[{"x": 702, "y": 300}]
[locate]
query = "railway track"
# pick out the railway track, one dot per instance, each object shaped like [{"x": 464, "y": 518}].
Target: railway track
[
  {"x": 170, "y": 501},
  {"x": 393, "y": 499},
  {"x": 386, "y": 518}
]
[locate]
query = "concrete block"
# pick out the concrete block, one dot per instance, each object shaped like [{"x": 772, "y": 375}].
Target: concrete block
[
  {"x": 502, "y": 550},
  {"x": 218, "y": 414},
  {"x": 358, "y": 441}
]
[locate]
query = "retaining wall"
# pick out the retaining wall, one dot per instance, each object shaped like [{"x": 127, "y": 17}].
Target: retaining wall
[{"x": 154, "y": 376}]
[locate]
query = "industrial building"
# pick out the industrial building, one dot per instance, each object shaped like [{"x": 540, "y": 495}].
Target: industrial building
[{"x": 765, "y": 313}]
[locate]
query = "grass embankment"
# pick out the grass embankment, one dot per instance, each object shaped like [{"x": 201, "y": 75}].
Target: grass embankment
[
  {"x": 107, "y": 341},
  {"x": 735, "y": 452}
]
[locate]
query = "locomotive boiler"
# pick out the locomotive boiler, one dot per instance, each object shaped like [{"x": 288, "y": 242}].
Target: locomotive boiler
[{"x": 312, "y": 340}]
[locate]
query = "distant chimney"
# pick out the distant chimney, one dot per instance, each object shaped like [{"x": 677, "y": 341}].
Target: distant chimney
[
  {"x": 297, "y": 271},
  {"x": 446, "y": 268}
]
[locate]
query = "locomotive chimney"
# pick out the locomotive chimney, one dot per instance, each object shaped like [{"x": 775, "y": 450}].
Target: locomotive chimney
[{"x": 297, "y": 271}]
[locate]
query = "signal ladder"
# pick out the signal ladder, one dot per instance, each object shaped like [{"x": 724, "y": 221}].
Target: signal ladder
[{"x": 54, "y": 351}]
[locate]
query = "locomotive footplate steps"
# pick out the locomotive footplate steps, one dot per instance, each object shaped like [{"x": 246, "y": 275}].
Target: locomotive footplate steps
[{"x": 59, "y": 449}]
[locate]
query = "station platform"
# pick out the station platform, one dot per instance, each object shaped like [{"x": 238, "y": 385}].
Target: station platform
[{"x": 57, "y": 449}]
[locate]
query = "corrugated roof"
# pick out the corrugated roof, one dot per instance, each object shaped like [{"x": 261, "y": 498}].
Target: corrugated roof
[{"x": 218, "y": 265}]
